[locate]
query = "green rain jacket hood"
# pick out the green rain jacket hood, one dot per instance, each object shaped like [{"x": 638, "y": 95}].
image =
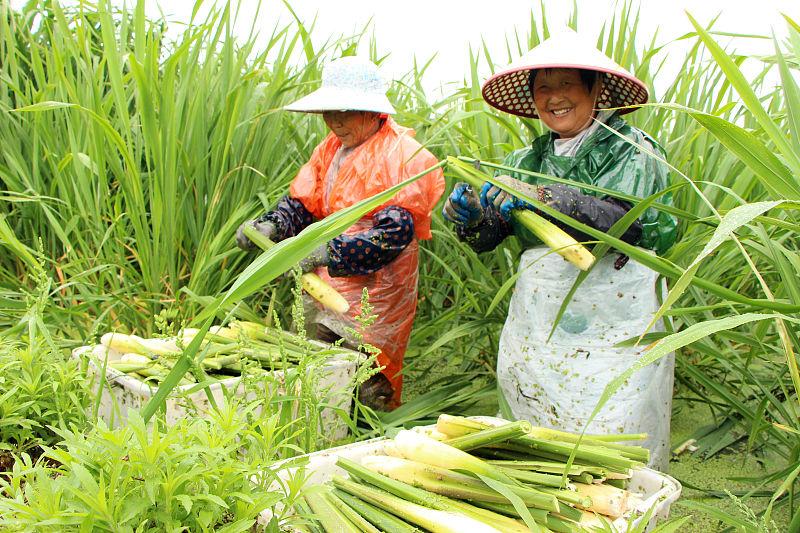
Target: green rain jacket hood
[{"x": 608, "y": 161}]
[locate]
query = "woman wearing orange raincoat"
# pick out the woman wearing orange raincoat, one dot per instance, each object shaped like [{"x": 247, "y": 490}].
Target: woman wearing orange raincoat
[{"x": 365, "y": 153}]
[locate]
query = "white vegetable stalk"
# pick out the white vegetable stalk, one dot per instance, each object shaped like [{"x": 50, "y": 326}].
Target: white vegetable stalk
[
  {"x": 606, "y": 499},
  {"x": 226, "y": 333},
  {"x": 452, "y": 484},
  {"x": 122, "y": 343},
  {"x": 425, "y": 476},
  {"x": 135, "y": 358},
  {"x": 428, "y": 499},
  {"x": 331, "y": 518},
  {"x": 418, "y": 447}
]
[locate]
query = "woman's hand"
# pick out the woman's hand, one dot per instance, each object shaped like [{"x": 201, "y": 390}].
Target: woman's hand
[
  {"x": 463, "y": 207},
  {"x": 265, "y": 228},
  {"x": 504, "y": 202},
  {"x": 317, "y": 258}
]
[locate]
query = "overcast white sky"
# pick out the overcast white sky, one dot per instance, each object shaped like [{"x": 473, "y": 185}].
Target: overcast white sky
[{"x": 448, "y": 27}]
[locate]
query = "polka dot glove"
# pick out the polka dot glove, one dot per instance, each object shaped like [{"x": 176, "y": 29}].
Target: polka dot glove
[{"x": 368, "y": 251}]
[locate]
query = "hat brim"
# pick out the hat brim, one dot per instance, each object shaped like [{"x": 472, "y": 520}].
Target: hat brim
[
  {"x": 509, "y": 90},
  {"x": 336, "y": 99}
]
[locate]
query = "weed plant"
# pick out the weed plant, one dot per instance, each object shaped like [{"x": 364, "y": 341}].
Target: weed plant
[
  {"x": 192, "y": 476},
  {"x": 41, "y": 389}
]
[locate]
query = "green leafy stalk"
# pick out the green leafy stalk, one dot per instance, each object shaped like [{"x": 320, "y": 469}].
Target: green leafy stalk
[{"x": 380, "y": 518}]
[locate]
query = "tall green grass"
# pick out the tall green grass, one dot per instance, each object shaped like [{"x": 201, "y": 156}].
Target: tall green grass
[{"x": 135, "y": 158}]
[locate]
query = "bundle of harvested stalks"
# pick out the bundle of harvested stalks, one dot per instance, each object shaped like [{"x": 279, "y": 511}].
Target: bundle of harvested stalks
[
  {"x": 227, "y": 351},
  {"x": 451, "y": 479}
]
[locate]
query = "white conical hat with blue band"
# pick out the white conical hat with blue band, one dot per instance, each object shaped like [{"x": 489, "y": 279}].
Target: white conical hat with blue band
[
  {"x": 350, "y": 83},
  {"x": 509, "y": 90}
]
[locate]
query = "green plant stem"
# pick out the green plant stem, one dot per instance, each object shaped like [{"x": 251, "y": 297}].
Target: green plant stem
[
  {"x": 380, "y": 518},
  {"x": 487, "y": 437}
]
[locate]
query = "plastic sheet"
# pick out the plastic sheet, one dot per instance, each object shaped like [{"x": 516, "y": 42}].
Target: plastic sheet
[
  {"x": 385, "y": 159},
  {"x": 558, "y": 383}
]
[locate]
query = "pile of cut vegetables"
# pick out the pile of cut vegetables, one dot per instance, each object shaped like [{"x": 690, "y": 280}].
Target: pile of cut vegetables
[
  {"x": 470, "y": 475},
  {"x": 227, "y": 351}
]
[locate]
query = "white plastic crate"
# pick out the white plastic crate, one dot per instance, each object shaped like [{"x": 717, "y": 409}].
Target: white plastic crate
[
  {"x": 122, "y": 393},
  {"x": 654, "y": 489}
]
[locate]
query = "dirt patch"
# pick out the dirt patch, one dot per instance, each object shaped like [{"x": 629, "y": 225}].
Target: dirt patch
[
  {"x": 8, "y": 458},
  {"x": 6, "y": 461}
]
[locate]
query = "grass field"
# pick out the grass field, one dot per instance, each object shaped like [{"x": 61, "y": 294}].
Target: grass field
[{"x": 128, "y": 158}]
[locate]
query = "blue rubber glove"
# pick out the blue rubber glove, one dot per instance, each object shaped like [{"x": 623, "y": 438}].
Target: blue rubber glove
[
  {"x": 503, "y": 202},
  {"x": 463, "y": 207}
]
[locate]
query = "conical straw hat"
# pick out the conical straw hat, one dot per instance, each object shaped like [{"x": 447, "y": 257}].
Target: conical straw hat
[
  {"x": 350, "y": 83},
  {"x": 509, "y": 90}
]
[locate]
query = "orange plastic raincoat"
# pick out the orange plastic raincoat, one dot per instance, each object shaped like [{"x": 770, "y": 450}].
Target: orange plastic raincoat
[{"x": 390, "y": 156}]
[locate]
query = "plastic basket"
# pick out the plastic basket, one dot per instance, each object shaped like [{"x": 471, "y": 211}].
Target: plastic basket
[
  {"x": 654, "y": 489},
  {"x": 122, "y": 393}
]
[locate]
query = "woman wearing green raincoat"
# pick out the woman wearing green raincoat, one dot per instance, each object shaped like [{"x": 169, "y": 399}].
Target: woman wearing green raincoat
[{"x": 557, "y": 382}]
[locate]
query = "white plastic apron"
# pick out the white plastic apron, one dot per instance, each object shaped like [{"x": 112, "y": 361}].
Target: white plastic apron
[{"x": 558, "y": 383}]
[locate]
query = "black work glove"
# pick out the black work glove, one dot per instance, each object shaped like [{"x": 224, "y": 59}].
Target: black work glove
[
  {"x": 599, "y": 213},
  {"x": 317, "y": 258},
  {"x": 264, "y": 227}
]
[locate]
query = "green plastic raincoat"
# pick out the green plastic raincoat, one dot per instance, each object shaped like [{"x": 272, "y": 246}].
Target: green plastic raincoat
[{"x": 605, "y": 160}]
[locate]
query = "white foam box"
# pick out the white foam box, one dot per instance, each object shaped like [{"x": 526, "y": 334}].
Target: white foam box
[
  {"x": 122, "y": 393},
  {"x": 654, "y": 489}
]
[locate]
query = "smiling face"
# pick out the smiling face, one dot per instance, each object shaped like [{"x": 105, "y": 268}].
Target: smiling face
[
  {"x": 352, "y": 127},
  {"x": 563, "y": 101}
]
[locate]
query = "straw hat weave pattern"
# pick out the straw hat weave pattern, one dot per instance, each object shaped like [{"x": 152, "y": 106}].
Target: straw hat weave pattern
[{"x": 509, "y": 90}]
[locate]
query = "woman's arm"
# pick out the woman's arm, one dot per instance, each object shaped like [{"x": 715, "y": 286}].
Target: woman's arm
[
  {"x": 368, "y": 251},
  {"x": 290, "y": 217},
  {"x": 599, "y": 213}
]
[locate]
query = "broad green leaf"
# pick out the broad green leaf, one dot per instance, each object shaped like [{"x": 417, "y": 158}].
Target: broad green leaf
[
  {"x": 289, "y": 252},
  {"x": 732, "y": 221},
  {"x": 680, "y": 213},
  {"x": 772, "y": 173},
  {"x": 9, "y": 239},
  {"x": 267, "y": 267},
  {"x": 785, "y": 486},
  {"x": 601, "y": 249},
  {"x": 792, "y": 97},
  {"x": 671, "y": 343},
  {"x": 515, "y": 500},
  {"x": 455, "y": 333},
  {"x": 185, "y": 500},
  {"x": 658, "y": 264}
]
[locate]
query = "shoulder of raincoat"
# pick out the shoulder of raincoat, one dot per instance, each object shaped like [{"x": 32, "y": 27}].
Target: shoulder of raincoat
[
  {"x": 387, "y": 158},
  {"x": 607, "y": 161}
]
